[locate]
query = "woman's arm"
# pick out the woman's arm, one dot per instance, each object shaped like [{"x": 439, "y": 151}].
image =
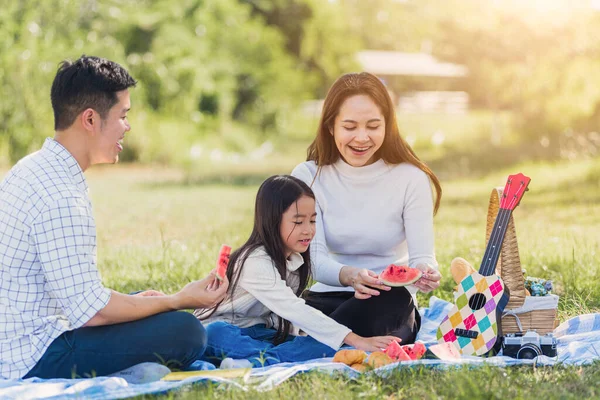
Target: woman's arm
[
  {"x": 333, "y": 273},
  {"x": 364, "y": 281},
  {"x": 325, "y": 269},
  {"x": 418, "y": 226}
]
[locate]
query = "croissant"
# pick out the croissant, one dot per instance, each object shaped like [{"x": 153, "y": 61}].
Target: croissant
[
  {"x": 359, "y": 367},
  {"x": 379, "y": 359},
  {"x": 350, "y": 357}
]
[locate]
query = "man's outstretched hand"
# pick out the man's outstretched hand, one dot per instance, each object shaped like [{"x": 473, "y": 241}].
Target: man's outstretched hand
[{"x": 204, "y": 293}]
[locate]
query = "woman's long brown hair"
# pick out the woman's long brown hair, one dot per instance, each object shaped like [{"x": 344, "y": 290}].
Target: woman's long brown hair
[{"x": 394, "y": 150}]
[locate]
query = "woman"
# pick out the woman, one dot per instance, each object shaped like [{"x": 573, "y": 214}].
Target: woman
[{"x": 374, "y": 207}]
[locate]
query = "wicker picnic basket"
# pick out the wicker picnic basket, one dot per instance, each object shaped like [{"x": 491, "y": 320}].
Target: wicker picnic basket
[{"x": 509, "y": 269}]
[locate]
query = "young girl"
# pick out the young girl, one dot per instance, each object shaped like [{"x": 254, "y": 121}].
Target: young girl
[{"x": 263, "y": 319}]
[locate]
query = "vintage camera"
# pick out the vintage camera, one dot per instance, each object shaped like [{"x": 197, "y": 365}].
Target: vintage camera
[{"x": 528, "y": 345}]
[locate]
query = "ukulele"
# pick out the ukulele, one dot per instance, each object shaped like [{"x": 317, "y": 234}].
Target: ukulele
[{"x": 472, "y": 324}]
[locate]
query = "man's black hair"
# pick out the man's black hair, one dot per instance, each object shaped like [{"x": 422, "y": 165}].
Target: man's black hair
[{"x": 89, "y": 82}]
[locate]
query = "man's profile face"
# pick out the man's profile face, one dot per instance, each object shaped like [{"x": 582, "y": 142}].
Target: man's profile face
[{"x": 108, "y": 142}]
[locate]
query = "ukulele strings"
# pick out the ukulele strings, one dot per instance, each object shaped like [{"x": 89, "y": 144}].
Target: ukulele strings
[{"x": 497, "y": 236}]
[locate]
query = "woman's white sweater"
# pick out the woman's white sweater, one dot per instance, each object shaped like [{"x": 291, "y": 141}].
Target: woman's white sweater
[{"x": 368, "y": 217}]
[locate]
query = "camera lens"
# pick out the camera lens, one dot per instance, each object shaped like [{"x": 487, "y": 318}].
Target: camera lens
[{"x": 529, "y": 351}]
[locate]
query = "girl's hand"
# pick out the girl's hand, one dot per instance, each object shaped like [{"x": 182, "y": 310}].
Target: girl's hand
[
  {"x": 365, "y": 282},
  {"x": 430, "y": 279},
  {"x": 376, "y": 343}
]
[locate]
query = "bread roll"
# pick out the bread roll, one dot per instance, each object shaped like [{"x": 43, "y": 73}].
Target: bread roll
[{"x": 350, "y": 357}]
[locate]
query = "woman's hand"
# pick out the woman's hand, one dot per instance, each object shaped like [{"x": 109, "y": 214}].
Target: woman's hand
[
  {"x": 430, "y": 279},
  {"x": 364, "y": 282},
  {"x": 376, "y": 343}
]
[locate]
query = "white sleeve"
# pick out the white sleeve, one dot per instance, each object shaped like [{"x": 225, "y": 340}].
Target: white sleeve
[
  {"x": 261, "y": 280},
  {"x": 324, "y": 269},
  {"x": 418, "y": 221},
  {"x": 65, "y": 238}
]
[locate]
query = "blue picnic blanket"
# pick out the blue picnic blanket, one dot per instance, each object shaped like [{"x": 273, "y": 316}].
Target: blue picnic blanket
[{"x": 578, "y": 343}]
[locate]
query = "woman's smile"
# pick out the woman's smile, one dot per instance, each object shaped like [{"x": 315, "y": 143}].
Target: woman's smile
[{"x": 360, "y": 150}]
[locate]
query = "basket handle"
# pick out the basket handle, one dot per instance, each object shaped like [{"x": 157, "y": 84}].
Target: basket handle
[{"x": 509, "y": 263}]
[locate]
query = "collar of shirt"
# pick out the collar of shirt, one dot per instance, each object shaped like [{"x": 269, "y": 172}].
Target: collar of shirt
[
  {"x": 363, "y": 173},
  {"x": 294, "y": 262},
  {"x": 52, "y": 146}
]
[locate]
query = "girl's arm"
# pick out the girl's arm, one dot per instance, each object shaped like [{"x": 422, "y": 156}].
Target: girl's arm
[{"x": 261, "y": 280}]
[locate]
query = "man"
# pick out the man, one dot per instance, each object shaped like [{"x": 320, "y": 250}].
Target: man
[{"x": 56, "y": 318}]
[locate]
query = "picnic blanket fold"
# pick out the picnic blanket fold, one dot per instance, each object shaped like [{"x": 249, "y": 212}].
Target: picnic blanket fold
[{"x": 578, "y": 344}]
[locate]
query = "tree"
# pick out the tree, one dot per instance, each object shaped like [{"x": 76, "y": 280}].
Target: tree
[
  {"x": 539, "y": 62},
  {"x": 212, "y": 62},
  {"x": 32, "y": 34}
]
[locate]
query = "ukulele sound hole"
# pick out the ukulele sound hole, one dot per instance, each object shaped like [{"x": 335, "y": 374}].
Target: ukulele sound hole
[{"x": 477, "y": 301}]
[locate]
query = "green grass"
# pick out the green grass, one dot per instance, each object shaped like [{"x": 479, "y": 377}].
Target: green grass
[
  {"x": 160, "y": 228},
  {"x": 422, "y": 383}
]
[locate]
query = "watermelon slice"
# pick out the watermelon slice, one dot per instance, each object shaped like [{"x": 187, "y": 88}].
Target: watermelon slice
[
  {"x": 399, "y": 275},
  {"x": 396, "y": 352},
  {"x": 443, "y": 351},
  {"x": 415, "y": 351},
  {"x": 223, "y": 261}
]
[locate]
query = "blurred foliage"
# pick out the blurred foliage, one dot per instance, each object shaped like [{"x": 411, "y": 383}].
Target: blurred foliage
[
  {"x": 535, "y": 59},
  {"x": 232, "y": 73},
  {"x": 212, "y": 65},
  {"x": 538, "y": 60}
]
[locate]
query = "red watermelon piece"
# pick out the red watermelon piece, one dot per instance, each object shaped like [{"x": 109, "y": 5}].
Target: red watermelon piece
[
  {"x": 223, "y": 261},
  {"x": 415, "y": 351},
  {"x": 399, "y": 275},
  {"x": 396, "y": 353},
  {"x": 443, "y": 351}
]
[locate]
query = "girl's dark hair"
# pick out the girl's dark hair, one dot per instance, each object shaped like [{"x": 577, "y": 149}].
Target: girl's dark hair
[{"x": 274, "y": 197}]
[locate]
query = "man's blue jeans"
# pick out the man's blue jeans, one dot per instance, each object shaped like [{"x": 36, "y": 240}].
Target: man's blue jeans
[
  {"x": 256, "y": 345},
  {"x": 175, "y": 339}
]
